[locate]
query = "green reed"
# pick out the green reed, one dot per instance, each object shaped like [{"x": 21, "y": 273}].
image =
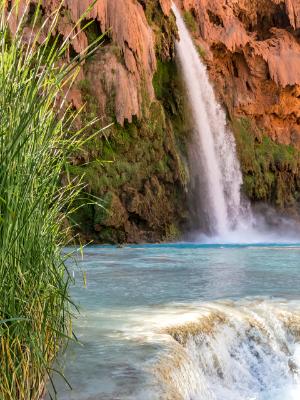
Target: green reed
[{"x": 35, "y": 146}]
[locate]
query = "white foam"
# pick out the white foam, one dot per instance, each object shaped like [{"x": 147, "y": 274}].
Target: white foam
[{"x": 246, "y": 356}]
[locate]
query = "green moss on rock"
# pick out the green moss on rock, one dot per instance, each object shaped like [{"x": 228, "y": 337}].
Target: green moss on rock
[
  {"x": 190, "y": 21},
  {"x": 201, "y": 51},
  {"x": 173, "y": 233},
  {"x": 139, "y": 176},
  {"x": 138, "y": 169},
  {"x": 270, "y": 169},
  {"x": 164, "y": 27}
]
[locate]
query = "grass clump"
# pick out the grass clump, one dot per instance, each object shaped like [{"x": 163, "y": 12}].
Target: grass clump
[
  {"x": 190, "y": 21},
  {"x": 35, "y": 146},
  {"x": 173, "y": 233},
  {"x": 201, "y": 51}
]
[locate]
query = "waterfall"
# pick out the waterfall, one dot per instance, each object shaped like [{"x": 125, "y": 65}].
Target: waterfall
[
  {"x": 247, "y": 350},
  {"x": 216, "y": 177}
]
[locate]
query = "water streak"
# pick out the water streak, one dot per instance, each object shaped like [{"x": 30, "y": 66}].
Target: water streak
[{"x": 216, "y": 177}]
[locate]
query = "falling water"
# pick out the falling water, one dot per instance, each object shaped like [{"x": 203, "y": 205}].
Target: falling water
[
  {"x": 247, "y": 350},
  {"x": 216, "y": 177}
]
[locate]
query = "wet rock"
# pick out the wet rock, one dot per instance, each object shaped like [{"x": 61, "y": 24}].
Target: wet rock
[{"x": 116, "y": 214}]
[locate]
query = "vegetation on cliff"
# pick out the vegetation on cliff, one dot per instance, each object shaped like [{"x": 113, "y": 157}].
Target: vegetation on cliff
[
  {"x": 137, "y": 171},
  {"x": 271, "y": 171},
  {"x": 34, "y": 149},
  {"x": 138, "y": 164},
  {"x": 146, "y": 155},
  {"x": 137, "y": 168},
  {"x": 240, "y": 44}
]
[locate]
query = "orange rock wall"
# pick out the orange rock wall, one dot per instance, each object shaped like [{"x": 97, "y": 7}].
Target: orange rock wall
[
  {"x": 252, "y": 52},
  {"x": 252, "y": 49},
  {"x": 127, "y": 27}
]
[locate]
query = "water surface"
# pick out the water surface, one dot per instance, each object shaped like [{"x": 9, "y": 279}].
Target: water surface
[{"x": 186, "y": 321}]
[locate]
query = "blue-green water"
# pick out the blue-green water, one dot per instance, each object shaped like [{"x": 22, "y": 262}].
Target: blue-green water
[{"x": 233, "y": 310}]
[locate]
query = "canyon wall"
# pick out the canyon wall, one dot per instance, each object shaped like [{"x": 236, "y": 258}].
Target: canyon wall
[
  {"x": 134, "y": 172},
  {"x": 252, "y": 52},
  {"x": 137, "y": 167}
]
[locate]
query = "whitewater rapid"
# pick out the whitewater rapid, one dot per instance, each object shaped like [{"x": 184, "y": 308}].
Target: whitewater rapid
[
  {"x": 226, "y": 350},
  {"x": 155, "y": 323},
  {"x": 222, "y": 350},
  {"x": 247, "y": 349}
]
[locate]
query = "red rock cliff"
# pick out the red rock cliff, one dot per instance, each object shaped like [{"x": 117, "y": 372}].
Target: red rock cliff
[
  {"x": 128, "y": 30},
  {"x": 135, "y": 166},
  {"x": 252, "y": 48},
  {"x": 252, "y": 51}
]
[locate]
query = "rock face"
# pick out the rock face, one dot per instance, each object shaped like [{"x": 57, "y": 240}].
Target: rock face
[
  {"x": 137, "y": 166},
  {"x": 252, "y": 51},
  {"x": 141, "y": 175},
  {"x": 128, "y": 30}
]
